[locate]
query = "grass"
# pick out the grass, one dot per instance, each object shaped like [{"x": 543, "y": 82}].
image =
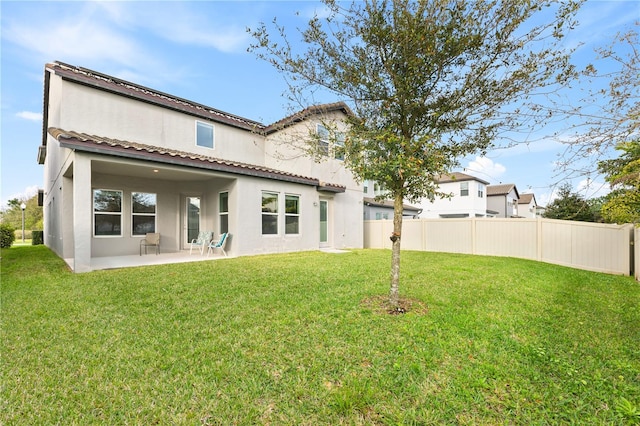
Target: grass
[{"x": 295, "y": 339}]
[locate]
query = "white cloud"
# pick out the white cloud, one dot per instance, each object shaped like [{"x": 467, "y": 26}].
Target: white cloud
[
  {"x": 82, "y": 36},
  {"x": 29, "y": 115},
  {"x": 28, "y": 192},
  {"x": 592, "y": 189},
  {"x": 485, "y": 168}
]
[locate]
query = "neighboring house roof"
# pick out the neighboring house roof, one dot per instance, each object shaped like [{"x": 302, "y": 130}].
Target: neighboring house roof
[
  {"x": 458, "y": 177},
  {"x": 388, "y": 204},
  {"x": 126, "y": 149},
  {"x": 502, "y": 189},
  {"x": 526, "y": 199}
]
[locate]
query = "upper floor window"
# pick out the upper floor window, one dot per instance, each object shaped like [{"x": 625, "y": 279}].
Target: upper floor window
[
  {"x": 464, "y": 189},
  {"x": 143, "y": 213},
  {"x": 338, "y": 149},
  {"x": 323, "y": 139},
  {"x": 204, "y": 135},
  {"x": 324, "y": 142},
  {"x": 107, "y": 213},
  {"x": 480, "y": 190}
]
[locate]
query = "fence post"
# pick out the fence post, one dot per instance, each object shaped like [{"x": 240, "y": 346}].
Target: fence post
[
  {"x": 636, "y": 253},
  {"x": 539, "y": 239}
]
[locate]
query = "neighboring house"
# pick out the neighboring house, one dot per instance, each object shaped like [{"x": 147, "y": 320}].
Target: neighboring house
[
  {"x": 527, "y": 206},
  {"x": 383, "y": 210},
  {"x": 503, "y": 199},
  {"x": 540, "y": 211},
  {"x": 121, "y": 160},
  {"x": 467, "y": 198}
]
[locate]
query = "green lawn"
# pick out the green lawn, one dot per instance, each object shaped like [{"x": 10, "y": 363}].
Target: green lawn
[{"x": 290, "y": 339}]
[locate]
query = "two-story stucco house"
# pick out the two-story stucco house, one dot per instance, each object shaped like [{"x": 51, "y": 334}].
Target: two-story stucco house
[
  {"x": 467, "y": 198},
  {"x": 503, "y": 199},
  {"x": 121, "y": 160}
]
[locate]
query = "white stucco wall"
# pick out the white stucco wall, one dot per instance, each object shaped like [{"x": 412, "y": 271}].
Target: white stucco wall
[
  {"x": 472, "y": 204},
  {"x": 105, "y": 114},
  {"x": 71, "y": 177}
]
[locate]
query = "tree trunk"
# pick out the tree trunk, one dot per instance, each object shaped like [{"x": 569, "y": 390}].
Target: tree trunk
[{"x": 394, "y": 294}]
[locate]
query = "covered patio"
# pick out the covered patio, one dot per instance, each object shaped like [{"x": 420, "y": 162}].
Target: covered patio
[{"x": 128, "y": 261}]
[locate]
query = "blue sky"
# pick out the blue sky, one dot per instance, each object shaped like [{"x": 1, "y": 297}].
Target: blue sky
[{"x": 197, "y": 50}]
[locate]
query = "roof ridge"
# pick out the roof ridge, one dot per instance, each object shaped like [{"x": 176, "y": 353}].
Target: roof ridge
[{"x": 155, "y": 93}]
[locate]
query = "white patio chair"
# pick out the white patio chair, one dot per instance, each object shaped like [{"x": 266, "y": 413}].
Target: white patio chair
[{"x": 203, "y": 240}]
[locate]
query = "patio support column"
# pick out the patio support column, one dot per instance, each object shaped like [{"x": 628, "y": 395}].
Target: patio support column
[{"x": 82, "y": 211}]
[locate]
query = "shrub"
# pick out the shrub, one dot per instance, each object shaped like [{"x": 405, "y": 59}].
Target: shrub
[
  {"x": 7, "y": 235},
  {"x": 37, "y": 238}
]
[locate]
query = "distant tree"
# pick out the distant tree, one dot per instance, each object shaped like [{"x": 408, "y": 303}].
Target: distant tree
[
  {"x": 33, "y": 215},
  {"x": 622, "y": 205},
  {"x": 569, "y": 206},
  {"x": 429, "y": 82}
]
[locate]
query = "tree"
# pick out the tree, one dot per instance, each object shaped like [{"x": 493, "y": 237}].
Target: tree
[
  {"x": 33, "y": 216},
  {"x": 622, "y": 205},
  {"x": 608, "y": 114},
  {"x": 428, "y": 81},
  {"x": 569, "y": 206}
]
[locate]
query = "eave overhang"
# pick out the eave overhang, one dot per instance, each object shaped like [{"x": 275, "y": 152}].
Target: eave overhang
[{"x": 123, "y": 149}]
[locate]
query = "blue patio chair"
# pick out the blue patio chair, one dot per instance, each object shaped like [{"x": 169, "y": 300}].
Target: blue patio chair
[
  {"x": 219, "y": 244},
  {"x": 203, "y": 240}
]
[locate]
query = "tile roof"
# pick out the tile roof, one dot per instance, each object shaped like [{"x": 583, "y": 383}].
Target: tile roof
[
  {"x": 115, "y": 85},
  {"x": 305, "y": 113},
  {"x": 127, "y": 149},
  {"x": 122, "y": 87}
]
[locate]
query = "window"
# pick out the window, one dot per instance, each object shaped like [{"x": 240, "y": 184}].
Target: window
[
  {"x": 143, "y": 213},
  {"x": 366, "y": 187},
  {"x": 480, "y": 190},
  {"x": 292, "y": 214},
  {"x": 464, "y": 189},
  {"x": 323, "y": 139},
  {"x": 223, "y": 210},
  {"x": 107, "y": 212},
  {"x": 269, "y": 213},
  {"x": 338, "y": 148},
  {"x": 204, "y": 134}
]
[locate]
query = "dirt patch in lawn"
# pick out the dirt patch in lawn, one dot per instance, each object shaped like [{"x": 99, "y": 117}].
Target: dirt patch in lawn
[{"x": 380, "y": 305}]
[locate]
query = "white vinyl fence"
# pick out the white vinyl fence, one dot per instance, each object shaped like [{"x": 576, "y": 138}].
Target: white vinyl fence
[{"x": 591, "y": 246}]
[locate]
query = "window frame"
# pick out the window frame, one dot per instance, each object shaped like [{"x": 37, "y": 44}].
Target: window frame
[
  {"x": 288, "y": 215},
  {"x": 464, "y": 189},
  {"x": 270, "y": 214},
  {"x": 338, "y": 148},
  {"x": 223, "y": 213},
  {"x": 480, "y": 190},
  {"x": 154, "y": 214},
  {"x": 323, "y": 144},
  {"x": 208, "y": 125},
  {"x": 106, "y": 213}
]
